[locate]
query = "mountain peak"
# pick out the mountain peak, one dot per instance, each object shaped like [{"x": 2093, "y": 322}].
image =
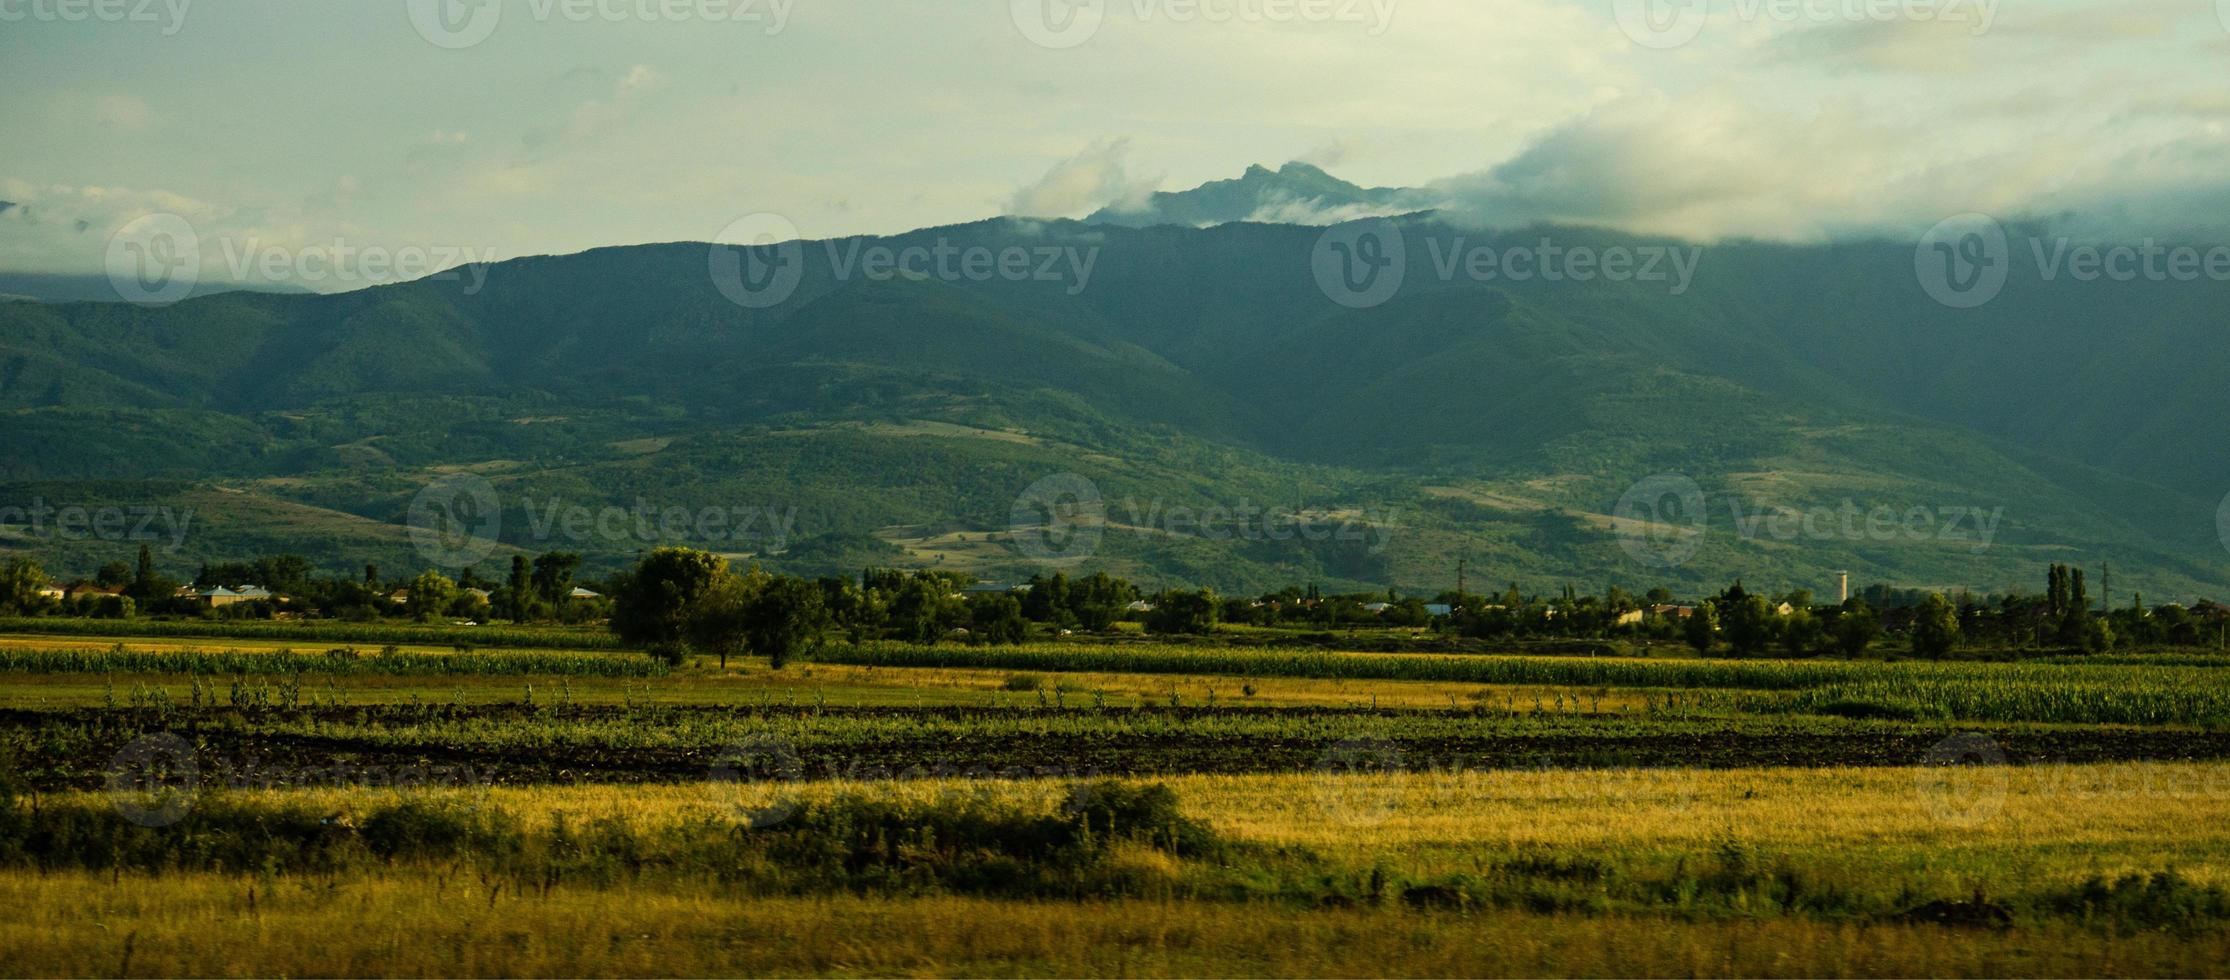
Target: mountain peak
[{"x": 1295, "y": 193}]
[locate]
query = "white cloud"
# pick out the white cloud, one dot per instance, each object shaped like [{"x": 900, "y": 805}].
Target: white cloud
[{"x": 1095, "y": 178}]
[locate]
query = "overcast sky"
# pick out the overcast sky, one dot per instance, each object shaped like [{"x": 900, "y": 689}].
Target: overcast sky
[{"x": 538, "y": 129}]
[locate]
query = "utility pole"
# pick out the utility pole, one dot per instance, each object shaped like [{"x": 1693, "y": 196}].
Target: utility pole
[
  {"x": 1460, "y": 563},
  {"x": 2106, "y": 583}
]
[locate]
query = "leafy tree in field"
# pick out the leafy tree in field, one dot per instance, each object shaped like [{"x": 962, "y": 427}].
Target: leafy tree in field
[
  {"x": 431, "y": 594},
  {"x": 1048, "y": 600},
  {"x": 553, "y": 576},
  {"x": 719, "y": 620},
  {"x": 114, "y": 575},
  {"x": 1856, "y": 628},
  {"x": 20, "y": 580},
  {"x": 1098, "y": 600},
  {"x": 651, "y": 604},
  {"x": 1183, "y": 612},
  {"x": 1935, "y": 627},
  {"x": 150, "y": 587},
  {"x": 921, "y": 610},
  {"x": 1801, "y": 633},
  {"x": 1751, "y": 624},
  {"x": 2098, "y": 636},
  {"x": 518, "y": 594},
  {"x": 1702, "y": 628},
  {"x": 783, "y": 618},
  {"x": 997, "y": 619}
]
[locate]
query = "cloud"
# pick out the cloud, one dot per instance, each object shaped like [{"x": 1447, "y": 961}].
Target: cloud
[
  {"x": 1328, "y": 154},
  {"x": 122, "y": 112},
  {"x": 638, "y": 78},
  {"x": 1285, "y": 209},
  {"x": 1095, "y": 178},
  {"x": 1720, "y": 164}
]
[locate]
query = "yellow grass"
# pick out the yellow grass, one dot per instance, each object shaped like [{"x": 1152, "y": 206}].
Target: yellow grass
[
  {"x": 748, "y": 681},
  {"x": 2050, "y": 824},
  {"x": 415, "y": 924},
  {"x": 2019, "y": 829}
]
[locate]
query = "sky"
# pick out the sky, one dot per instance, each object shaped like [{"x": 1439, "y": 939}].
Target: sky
[{"x": 500, "y": 128}]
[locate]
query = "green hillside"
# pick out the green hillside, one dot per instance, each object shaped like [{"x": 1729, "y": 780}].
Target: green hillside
[{"x": 898, "y": 419}]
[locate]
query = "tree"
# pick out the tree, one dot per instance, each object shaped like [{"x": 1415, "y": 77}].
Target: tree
[
  {"x": 1099, "y": 600},
  {"x": 518, "y": 594},
  {"x": 1702, "y": 628},
  {"x": 923, "y": 610},
  {"x": 1801, "y": 633},
  {"x": 20, "y": 581},
  {"x": 1856, "y": 628},
  {"x": 147, "y": 586},
  {"x": 431, "y": 594},
  {"x": 1183, "y": 612},
  {"x": 786, "y": 616},
  {"x": 1750, "y": 624},
  {"x": 114, "y": 575},
  {"x": 553, "y": 576},
  {"x": 1048, "y": 600},
  {"x": 651, "y": 604},
  {"x": 997, "y": 618},
  {"x": 1935, "y": 627}
]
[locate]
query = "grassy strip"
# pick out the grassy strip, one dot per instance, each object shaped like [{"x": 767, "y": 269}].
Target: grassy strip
[
  {"x": 345, "y": 661},
  {"x": 2144, "y": 693},
  {"x": 1103, "y": 840},
  {"x": 319, "y": 632}
]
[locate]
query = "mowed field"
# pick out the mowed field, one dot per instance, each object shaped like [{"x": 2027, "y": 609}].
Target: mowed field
[{"x": 265, "y": 805}]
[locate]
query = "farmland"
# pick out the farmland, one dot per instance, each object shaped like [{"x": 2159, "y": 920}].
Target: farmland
[{"x": 604, "y": 811}]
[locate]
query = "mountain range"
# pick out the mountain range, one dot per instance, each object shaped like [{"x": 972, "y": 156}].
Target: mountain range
[{"x": 1186, "y": 362}]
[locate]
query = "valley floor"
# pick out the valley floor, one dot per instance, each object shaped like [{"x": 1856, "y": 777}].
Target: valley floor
[
  {"x": 79, "y": 924},
  {"x": 915, "y": 811}
]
